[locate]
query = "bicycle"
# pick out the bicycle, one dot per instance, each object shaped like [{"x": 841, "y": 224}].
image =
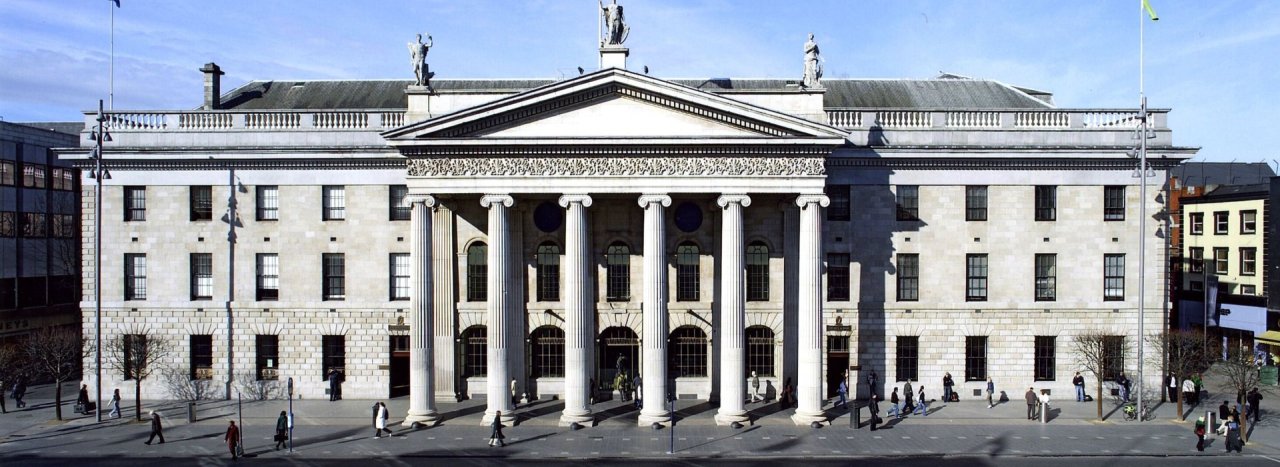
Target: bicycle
[{"x": 1131, "y": 412}]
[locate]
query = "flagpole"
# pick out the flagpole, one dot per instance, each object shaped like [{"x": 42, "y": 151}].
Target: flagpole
[
  {"x": 111, "y": 86},
  {"x": 1142, "y": 196}
]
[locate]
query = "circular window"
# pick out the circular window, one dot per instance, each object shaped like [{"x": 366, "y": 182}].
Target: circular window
[
  {"x": 548, "y": 216},
  {"x": 688, "y": 217}
]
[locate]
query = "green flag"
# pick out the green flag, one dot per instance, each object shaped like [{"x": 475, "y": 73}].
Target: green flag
[{"x": 1150, "y": 11}]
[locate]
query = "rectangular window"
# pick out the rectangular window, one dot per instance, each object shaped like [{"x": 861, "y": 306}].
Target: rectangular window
[
  {"x": 975, "y": 203},
  {"x": 1046, "y": 358},
  {"x": 1197, "y": 286},
  {"x": 618, "y": 273},
  {"x": 401, "y": 210},
  {"x": 135, "y": 203},
  {"x": 1221, "y": 261},
  {"x": 8, "y": 224},
  {"x": 840, "y": 206},
  {"x": 1195, "y": 263},
  {"x": 399, "y": 276},
  {"x": 1113, "y": 277},
  {"x": 335, "y": 276},
  {"x": 1248, "y": 222},
  {"x": 202, "y": 356},
  {"x": 135, "y": 276},
  {"x": 1112, "y": 357},
  {"x": 63, "y": 179},
  {"x": 201, "y": 203},
  {"x": 975, "y": 358},
  {"x": 1221, "y": 221},
  {"x": 64, "y": 225},
  {"x": 1046, "y": 203},
  {"x": 202, "y": 276},
  {"x": 1196, "y": 221},
  {"x": 33, "y": 176},
  {"x": 908, "y": 358},
  {"x": 34, "y": 225},
  {"x": 335, "y": 203},
  {"x": 837, "y": 277},
  {"x": 908, "y": 277},
  {"x": 908, "y": 201},
  {"x": 976, "y": 278},
  {"x": 688, "y": 274},
  {"x": 1248, "y": 261},
  {"x": 268, "y": 266},
  {"x": 135, "y": 353},
  {"x": 1247, "y": 289},
  {"x": 334, "y": 353},
  {"x": 268, "y": 200},
  {"x": 1113, "y": 203},
  {"x": 8, "y": 171},
  {"x": 1046, "y": 277},
  {"x": 757, "y": 272},
  {"x": 267, "y": 357}
]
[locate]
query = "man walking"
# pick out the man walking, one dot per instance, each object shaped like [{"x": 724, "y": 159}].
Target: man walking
[
  {"x": 907, "y": 406},
  {"x": 282, "y": 429},
  {"x": 874, "y": 407},
  {"x": 1173, "y": 387},
  {"x": 755, "y": 388},
  {"x": 1255, "y": 400},
  {"x": 156, "y": 429},
  {"x": 1078, "y": 381},
  {"x": 232, "y": 438},
  {"x": 843, "y": 392},
  {"x": 991, "y": 393},
  {"x": 1032, "y": 400},
  {"x": 115, "y": 404},
  {"x": 872, "y": 381},
  {"x": 893, "y": 405}
]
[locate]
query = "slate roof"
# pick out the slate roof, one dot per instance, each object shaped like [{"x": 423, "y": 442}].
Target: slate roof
[
  {"x": 1232, "y": 192},
  {"x": 66, "y": 128},
  {"x": 1223, "y": 173},
  {"x": 947, "y": 93}
]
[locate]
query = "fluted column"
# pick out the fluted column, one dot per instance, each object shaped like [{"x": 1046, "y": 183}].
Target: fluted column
[
  {"x": 654, "y": 378},
  {"x": 809, "y": 371},
  {"x": 422, "y": 407},
  {"x": 733, "y": 308},
  {"x": 500, "y": 316},
  {"x": 579, "y": 307}
]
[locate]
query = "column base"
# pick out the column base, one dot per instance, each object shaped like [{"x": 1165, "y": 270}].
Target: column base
[
  {"x": 429, "y": 418},
  {"x": 663, "y": 419},
  {"x": 807, "y": 418},
  {"x": 586, "y": 419},
  {"x": 508, "y": 419},
  {"x": 726, "y": 419}
]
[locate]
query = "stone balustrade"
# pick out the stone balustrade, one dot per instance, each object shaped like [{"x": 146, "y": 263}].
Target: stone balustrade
[
  {"x": 213, "y": 121},
  {"x": 1101, "y": 119}
]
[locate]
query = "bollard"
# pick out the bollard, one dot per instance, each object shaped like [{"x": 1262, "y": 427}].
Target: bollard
[
  {"x": 1044, "y": 413},
  {"x": 1211, "y": 425},
  {"x": 855, "y": 417},
  {"x": 191, "y": 412}
]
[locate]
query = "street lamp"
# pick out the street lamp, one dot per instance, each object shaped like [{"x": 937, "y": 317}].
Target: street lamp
[{"x": 98, "y": 173}]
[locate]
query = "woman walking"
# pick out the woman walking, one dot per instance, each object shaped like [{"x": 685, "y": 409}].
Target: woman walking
[
  {"x": 380, "y": 421},
  {"x": 1231, "y": 428},
  {"x": 1200, "y": 428},
  {"x": 282, "y": 429},
  {"x": 496, "y": 437},
  {"x": 232, "y": 438},
  {"x": 115, "y": 404}
]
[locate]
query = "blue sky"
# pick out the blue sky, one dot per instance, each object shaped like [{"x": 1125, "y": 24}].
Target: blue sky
[{"x": 1214, "y": 63}]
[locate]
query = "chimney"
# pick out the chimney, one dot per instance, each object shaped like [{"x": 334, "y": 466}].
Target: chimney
[{"x": 212, "y": 86}]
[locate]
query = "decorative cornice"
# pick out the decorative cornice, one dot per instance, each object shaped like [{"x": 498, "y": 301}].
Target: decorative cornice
[
  {"x": 597, "y": 149},
  {"x": 617, "y": 166},
  {"x": 804, "y": 201},
  {"x": 489, "y": 200},
  {"x": 999, "y": 163},
  {"x": 647, "y": 199},
  {"x": 742, "y": 199},
  {"x": 584, "y": 200},
  {"x": 253, "y": 164}
]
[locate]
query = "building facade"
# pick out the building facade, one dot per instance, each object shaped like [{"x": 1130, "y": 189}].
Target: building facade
[{"x": 476, "y": 238}]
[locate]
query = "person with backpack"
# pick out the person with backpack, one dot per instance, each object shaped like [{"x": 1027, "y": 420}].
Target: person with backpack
[{"x": 1231, "y": 429}]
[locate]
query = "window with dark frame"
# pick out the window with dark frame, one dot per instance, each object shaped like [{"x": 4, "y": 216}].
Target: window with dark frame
[
  {"x": 135, "y": 203},
  {"x": 908, "y": 202},
  {"x": 477, "y": 272},
  {"x": 548, "y": 264},
  {"x": 1196, "y": 221},
  {"x": 1221, "y": 222},
  {"x": 760, "y": 351},
  {"x": 8, "y": 224},
  {"x": 335, "y": 202},
  {"x": 975, "y": 278},
  {"x": 201, "y": 356},
  {"x": 8, "y": 171},
  {"x": 64, "y": 225},
  {"x": 135, "y": 352},
  {"x": 1248, "y": 222},
  {"x": 267, "y": 357},
  {"x": 975, "y": 203},
  {"x": 335, "y": 276},
  {"x": 1221, "y": 261},
  {"x": 689, "y": 351},
  {"x": 1196, "y": 286},
  {"x": 1113, "y": 203},
  {"x": 618, "y": 272},
  {"x": 398, "y": 199},
  {"x": 33, "y": 175},
  {"x": 1112, "y": 357},
  {"x": 1248, "y": 289},
  {"x": 908, "y": 277},
  {"x": 688, "y": 273},
  {"x": 201, "y": 203},
  {"x": 1046, "y": 203},
  {"x": 64, "y": 179},
  {"x": 400, "y": 272},
  {"x": 202, "y": 276},
  {"x": 1046, "y": 277},
  {"x": 908, "y": 358},
  {"x": 34, "y": 225},
  {"x": 757, "y": 272},
  {"x": 1046, "y": 358},
  {"x": 837, "y": 277},
  {"x": 475, "y": 352},
  {"x": 268, "y": 280},
  {"x": 1248, "y": 261},
  {"x": 1113, "y": 277},
  {"x": 548, "y": 352},
  {"x": 135, "y": 276},
  {"x": 268, "y": 202},
  {"x": 334, "y": 355},
  {"x": 975, "y": 358},
  {"x": 839, "y": 208},
  {"x": 1195, "y": 260}
]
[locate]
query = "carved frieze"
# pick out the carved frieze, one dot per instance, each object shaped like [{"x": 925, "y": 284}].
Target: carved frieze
[{"x": 616, "y": 166}]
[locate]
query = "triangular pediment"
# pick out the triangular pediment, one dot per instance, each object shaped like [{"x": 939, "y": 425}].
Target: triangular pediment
[{"x": 612, "y": 103}]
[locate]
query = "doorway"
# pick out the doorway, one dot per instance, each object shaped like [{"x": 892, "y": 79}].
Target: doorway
[
  {"x": 399, "y": 366},
  {"x": 616, "y": 345},
  {"x": 837, "y": 362}
]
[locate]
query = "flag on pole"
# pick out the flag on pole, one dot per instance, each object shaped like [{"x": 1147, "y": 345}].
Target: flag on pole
[
  {"x": 117, "y": 2},
  {"x": 1146, "y": 5}
]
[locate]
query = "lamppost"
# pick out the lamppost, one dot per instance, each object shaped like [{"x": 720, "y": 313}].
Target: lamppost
[{"x": 99, "y": 174}]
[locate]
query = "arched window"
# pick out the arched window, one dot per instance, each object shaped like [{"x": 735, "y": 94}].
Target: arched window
[
  {"x": 757, "y": 272},
  {"x": 548, "y": 272},
  {"x": 475, "y": 351},
  {"x": 618, "y": 273},
  {"x": 689, "y": 351},
  {"x": 760, "y": 347},
  {"x": 548, "y": 352},
  {"x": 477, "y": 272},
  {"x": 687, "y": 272}
]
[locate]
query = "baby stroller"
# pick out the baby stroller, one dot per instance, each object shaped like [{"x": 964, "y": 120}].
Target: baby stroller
[{"x": 86, "y": 408}]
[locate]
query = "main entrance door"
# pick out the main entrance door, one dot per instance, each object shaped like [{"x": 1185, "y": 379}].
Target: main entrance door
[
  {"x": 399, "y": 366},
  {"x": 837, "y": 362},
  {"x": 618, "y": 346}
]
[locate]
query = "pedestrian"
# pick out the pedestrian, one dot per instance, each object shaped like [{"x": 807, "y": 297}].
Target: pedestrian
[
  {"x": 1188, "y": 390},
  {"x": 991, "y": 393},
  {"x": 922, "y": 403},
  {"x": 947, "y": 382},
  {"x": 115, "y": 403},
  {"x": 784, "y": 399},
  {"x": 874, "y": 408},
  {"x": 907, "y": 406},
  {"x": 156, "y": 429},
  {"x": 282, "y": 429},
  {"x": 1031, "y": 403},
  {"x": 755, "y": 388},
  {"x": 380, "y": 421},
  {"x": 20, "y": 391},
  {"x": 637, "y": 387},
  {"x": 622, "y": 363},
  {"x": 1195, "y": 379},
  {"x": 591, "y": 391},
  {"x": 1255, "y": 404},
  {"x": 1231, "y": 429},
  {"x": 515, "y": 397},
  {"x": 843, "y": 392},
  {"x": 1172, "y": 381},
  {"x": 1200, "y": 429},
  {"x": 893, "y": 404},
  {"x": 82, "y": 401},
  {"x": 496, "y": 437},
  {"x": 617, "y": 386},
  {"x": 1044, "y": 405},
  {"x": 872, "y": 381},
  {"x": 1224, "y": 411},
  {"x": 1123, "y": 381},
  {"x": 2, "y": 407},
  {"x": 1078, "y": 382},
  {"x": 333, "y": 385},
  {"x": 232, "y": 438}
]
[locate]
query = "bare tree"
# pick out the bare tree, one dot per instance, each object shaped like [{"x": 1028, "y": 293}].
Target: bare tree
[
  {"x": 137, "y": 356},
  {"x": 1184, "y": 354},
  {"x": 57, "y": 354},
  {"x": 259, "y": 389},
  {"x": 1241, "y": 370},
  {"x": 12, "y": 366},
  {"x": 180, "y": 385},
  {"x": 1101, "y": 354}
]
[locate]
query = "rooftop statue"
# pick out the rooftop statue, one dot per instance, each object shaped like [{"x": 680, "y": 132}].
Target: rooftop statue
[
  {"x": 812, "y": 64},
  {"x": 418, "y": 56},
  {"x": 616, "y": 29}
]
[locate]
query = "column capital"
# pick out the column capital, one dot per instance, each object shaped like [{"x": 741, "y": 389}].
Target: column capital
[
  {"x": 429, "y": 200},
  {"x": 489, "y": 200},
  {"x": 804, "y": 201},
  {"x": 565, "y": 200},
  {"x": 724, "y": 200},
  {"x": 647, "y": 199}
]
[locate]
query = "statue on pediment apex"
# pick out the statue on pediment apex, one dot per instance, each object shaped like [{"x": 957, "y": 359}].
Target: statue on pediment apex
[
  {"x": 418, "y": 56},
  {"x": 615, "y": 27}
]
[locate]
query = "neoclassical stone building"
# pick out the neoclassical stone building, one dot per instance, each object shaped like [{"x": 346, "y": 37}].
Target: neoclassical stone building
[{"x": 442, "y": 242}]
